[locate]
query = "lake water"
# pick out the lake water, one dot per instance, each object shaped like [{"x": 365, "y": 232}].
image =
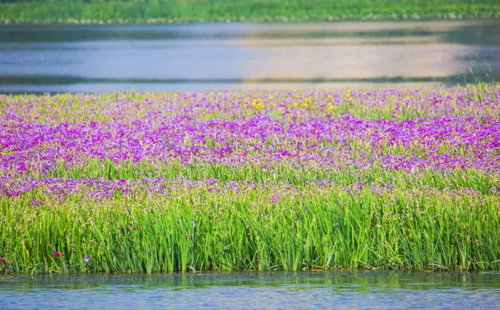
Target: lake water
[
  {"x": 279, "y": 290},
  {"x": 219, "y": 56}
]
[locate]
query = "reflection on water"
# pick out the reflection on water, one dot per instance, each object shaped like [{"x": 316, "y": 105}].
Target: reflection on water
[
  {"x": 246, "y": 56},
  {"x": 343, "y": 290}
]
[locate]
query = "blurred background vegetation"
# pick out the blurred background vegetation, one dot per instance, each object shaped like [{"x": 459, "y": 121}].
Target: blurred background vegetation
[{"x": 117, "y": 11}]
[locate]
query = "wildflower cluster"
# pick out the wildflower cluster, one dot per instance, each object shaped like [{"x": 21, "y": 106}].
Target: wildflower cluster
[{"x": 260, "y": 180}]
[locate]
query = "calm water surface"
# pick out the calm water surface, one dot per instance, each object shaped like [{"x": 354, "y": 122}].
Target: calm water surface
[
  {"x": 304, "y": 290},
  {"x": 197, "y": 57}
]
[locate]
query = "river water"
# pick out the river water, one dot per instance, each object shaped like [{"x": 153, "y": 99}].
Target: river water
[
  {"x": 265, "y": 290},
  {"x": 219, "y": 56}
]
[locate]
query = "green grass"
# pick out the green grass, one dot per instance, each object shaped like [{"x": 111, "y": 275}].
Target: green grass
[
  {"x": 309, "y": 228},
  {"x": 286, "y": 173},
  {"x": 96, "y": 11}
]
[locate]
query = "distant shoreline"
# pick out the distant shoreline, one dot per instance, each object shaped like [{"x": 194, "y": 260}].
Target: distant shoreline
[{"x": 162, "y": 11}]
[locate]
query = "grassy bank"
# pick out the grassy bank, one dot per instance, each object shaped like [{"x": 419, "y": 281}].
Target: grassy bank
[
  {"x": 138, "y": 182},
  {"x": 116, "y": 11}
]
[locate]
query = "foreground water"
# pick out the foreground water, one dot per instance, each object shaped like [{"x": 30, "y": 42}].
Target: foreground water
[
  {"x": 280, "y": 290},
  {"x": 200, "y": 57}
]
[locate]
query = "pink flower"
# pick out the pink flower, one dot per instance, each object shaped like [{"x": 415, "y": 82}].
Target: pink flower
[
  {"x": 57, "y": 254},
  {"x": 2, "y": 260}
]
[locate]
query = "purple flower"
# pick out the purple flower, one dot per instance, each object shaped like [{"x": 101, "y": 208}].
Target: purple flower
[
  {"x": 87, "y": 259},
  {"x": 195, "y": 223},
  {"x": 2, "y": 260}
]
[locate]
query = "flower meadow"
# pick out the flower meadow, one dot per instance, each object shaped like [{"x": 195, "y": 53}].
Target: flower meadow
[{"x": 163, "y": 182}]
